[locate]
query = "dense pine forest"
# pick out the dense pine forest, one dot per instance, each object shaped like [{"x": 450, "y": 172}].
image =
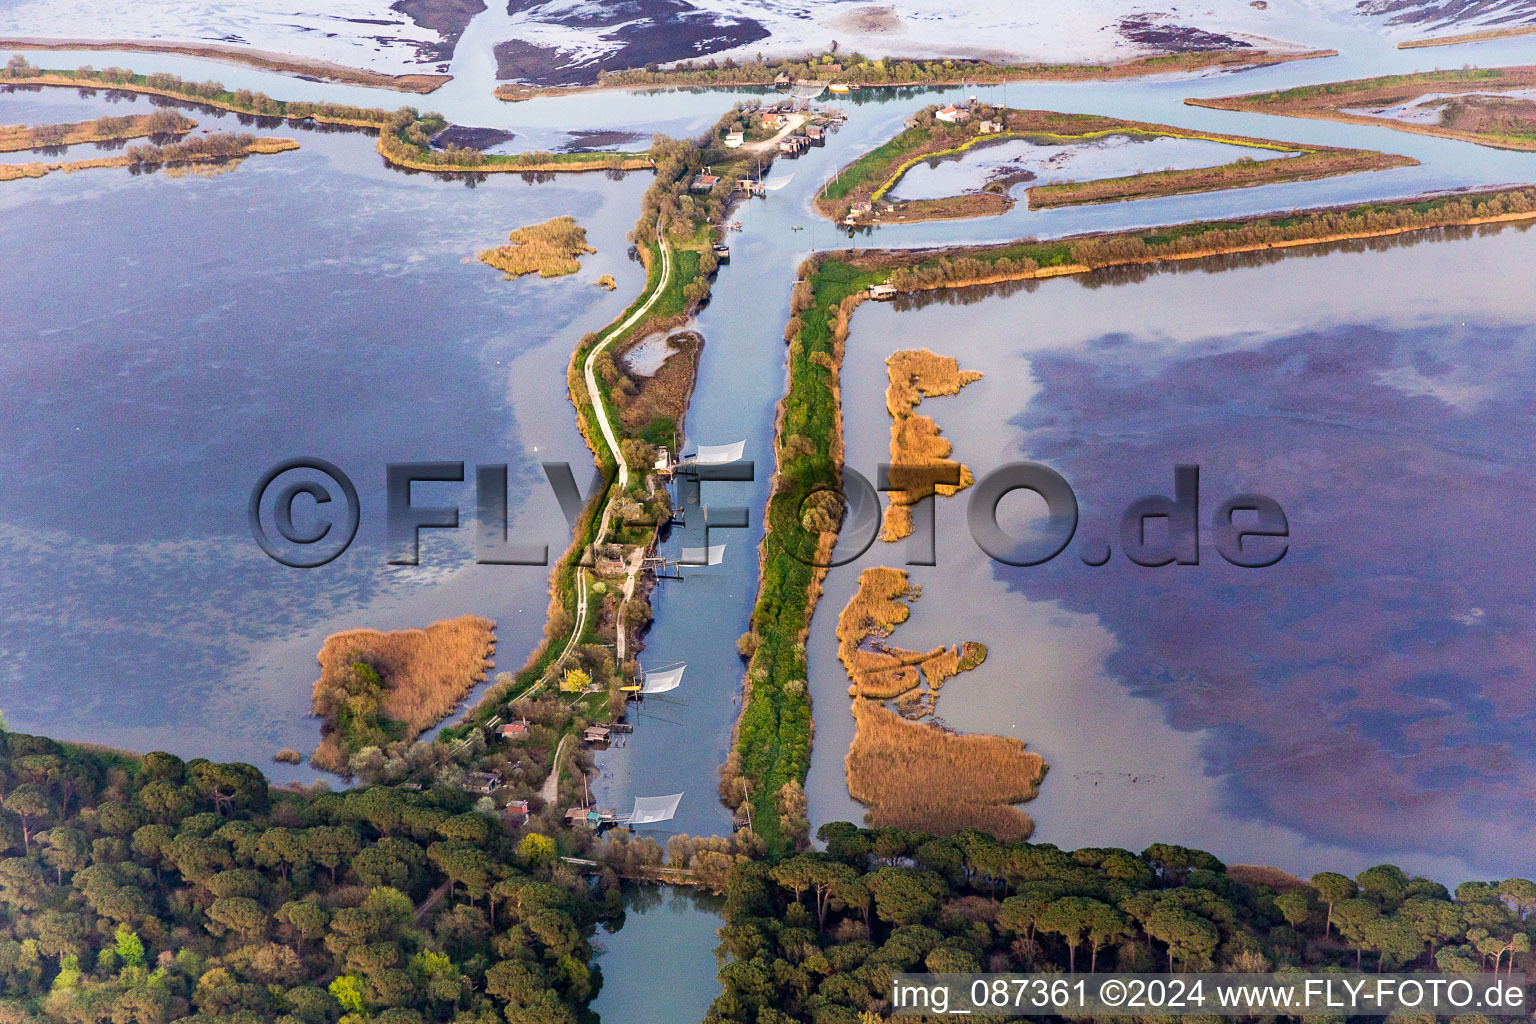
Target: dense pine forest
[
  {"x": 146, "y": 890},
  {"x": 817, "y": 936}
]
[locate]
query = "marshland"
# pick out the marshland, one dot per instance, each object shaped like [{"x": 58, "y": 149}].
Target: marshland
[{"x": 215, "y": 647}]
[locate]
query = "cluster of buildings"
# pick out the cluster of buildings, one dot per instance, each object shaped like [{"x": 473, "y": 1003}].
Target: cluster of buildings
[{"x": 963, "y": 112}]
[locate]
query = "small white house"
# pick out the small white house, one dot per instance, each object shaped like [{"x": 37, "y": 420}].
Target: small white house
[
  {"x": 952, "y": 115},
  {"x": 733, "y": 140}
]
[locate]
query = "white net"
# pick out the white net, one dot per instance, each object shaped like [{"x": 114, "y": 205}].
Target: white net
[
  {"x": 713, "y": 555},
  {"x": 661, "y": 682},
  {"x": 650, "y": 809},
  {"x": 719, "y": 454}
]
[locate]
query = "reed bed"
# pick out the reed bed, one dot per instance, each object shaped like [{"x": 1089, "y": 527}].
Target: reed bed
[
  {"x": 918, "y": 776},
  {"x": 919, "y": 453},
  {"x": 425, "y": 674},
  {"x": 879, "y": 671},
  {"x": 191, "y": 154},
  {"x": 17, "y": 137},
  {"x": 549, "y": 249}
]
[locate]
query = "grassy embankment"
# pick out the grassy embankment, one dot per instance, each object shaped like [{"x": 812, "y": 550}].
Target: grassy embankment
[
  {"x": 870, "y": 178},
  {"x": 918, "y": 450},
  {"x": 773, "y": 736},
  {"x": 1488, "y": 121},
  {"x": 858, "y": 70},
  {"x": 18, "y": 137},
  {"x": 1480, "y": 36},
  {"x": 377, "y": 687},
  {"x": 281, "y": 62},
  {"x": 643, "y": 415},
  {"x": 898, "y": 72},
  {"x": 210, "y": 151},
  {"x": 404, "y": 135},
  {"x": 550, "y": 249}
]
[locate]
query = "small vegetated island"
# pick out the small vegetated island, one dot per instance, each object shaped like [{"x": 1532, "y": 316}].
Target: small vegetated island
[
  {"x": 910, "y": 773},
  {"x": 1489, "y": 106},
  {"x": 920, "y": 461},
  {"x": 381, "y": 688},
  {"x": 550, "y": 249},
  {"x": 107, "y": 129},
  {"x": 861, "y": 193},
  {"x": 222, "y": 149}
]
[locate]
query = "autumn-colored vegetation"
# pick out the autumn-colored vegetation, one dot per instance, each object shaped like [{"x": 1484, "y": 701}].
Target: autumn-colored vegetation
[
  {"x": 549, "y": 249},
  {"x": 652, "y": 407},
  {"x": 378, "y": 687},
  {"x": 879, "y": 671},
  {"x": 14, "y": 138},
  {"x": 917, "y": 776},
  {"x": 1029, "y": 259},
  {"x": 856, "y": 69},
  {"x": 1308, "y": 164},
  {"x": 204, "y": 151},
  {"x": 919, "y": 454},
  {"x": 1506, "y": 123},
  {"x": 1481, "y": 35}
]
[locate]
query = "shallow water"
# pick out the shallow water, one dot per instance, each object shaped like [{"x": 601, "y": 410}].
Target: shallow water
[
  {"x": 1112, "y": 157},
  {"x": 1289, "y": 715},
  {"x": 293, "y": 307}
]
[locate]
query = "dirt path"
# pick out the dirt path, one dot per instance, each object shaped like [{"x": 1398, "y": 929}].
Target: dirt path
[
  {"x": 550, "y": 791},
  {"x": 432, "y": 900},
  {"x": 795, "y": 121},
  {"x": 611, "y": 439}
]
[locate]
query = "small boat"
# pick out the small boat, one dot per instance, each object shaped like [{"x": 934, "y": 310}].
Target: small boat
[{"x": 838, "y": 87}]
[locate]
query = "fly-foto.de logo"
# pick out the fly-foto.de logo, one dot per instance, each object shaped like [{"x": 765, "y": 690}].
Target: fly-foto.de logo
[{"x": 305, "y": 513}]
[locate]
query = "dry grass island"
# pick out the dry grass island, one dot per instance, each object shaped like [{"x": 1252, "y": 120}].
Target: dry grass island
[
  {"x": 912, "y": 774},
  {"x": 208, "y": 153},
  {"x": 376, "y": 688},
  {"x": 15, "y": 138},
  {"x": 1466, "y": 104},
  {"x": 919, "y": 454},
  {"x": 550, "y": 249},
  {"x": 857, "y": 194}
]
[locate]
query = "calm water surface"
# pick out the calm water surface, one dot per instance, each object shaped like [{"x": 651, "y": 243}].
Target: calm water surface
[
  {"x": 168, "y": 339},
  {"x": 1110, "y": 157},
  {"x": 1365, "y": 699},
  {"x": 660, "y": 965}
]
